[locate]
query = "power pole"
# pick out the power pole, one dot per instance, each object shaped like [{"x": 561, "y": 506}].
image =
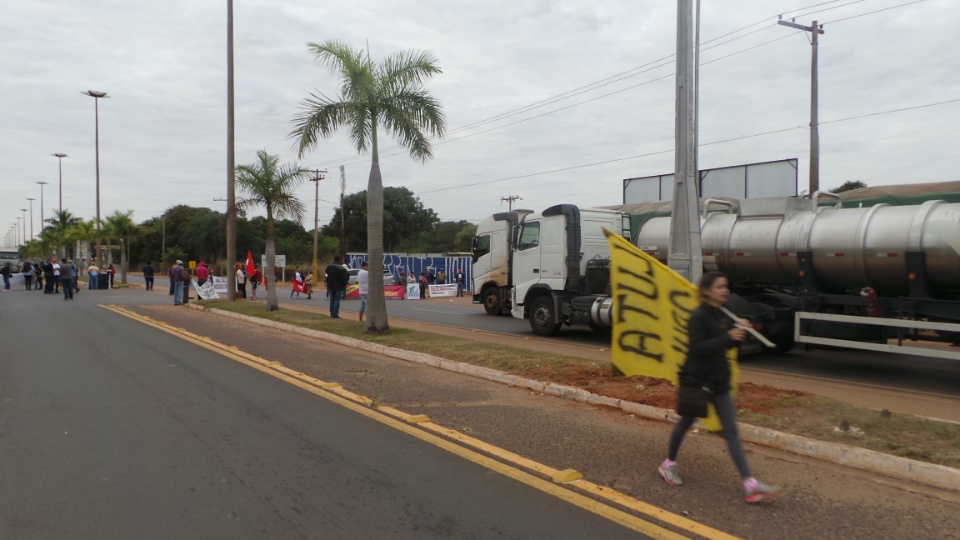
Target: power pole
[
  {"x": 685, "y": 255},
  {"x": 318, "y": 176},
  {"x": 815, "y": 30},
  {"x": 231, "y": 168},
  {"x": 343, "y": 219},
  {"x": 510, "y": 200}
]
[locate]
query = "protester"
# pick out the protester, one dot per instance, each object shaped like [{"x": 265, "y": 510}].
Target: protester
[
  {"x": 66, "y": 278},
  {"x": 176, "y": 277},
  {"x": 711, "y": 334},
  {"x": 363, "y": 283},
  {"x": 6, "y": 272},
  {"x": 296, "y": 283},
  {"x": 308, "y": 285},
  {"x": 56, "y": 276},
  {"x": 337, "y": 279},
  {"x": 424, "y": 282},
  {"x": 148, "y": 273},
  {"x": 441, "y": 278},
  {"x": 254, "y": 282},
  {"x": 93, "y": 272},
  {"x": 48, "y": 276},
  {"x": 241, "y": 282},
  {"x": 75, "y": 277},
  {"x": 110, "y": 272},
  {"x": 37, "y": 276},
  {"x": 203, "y": 273},
  {"x": 461, "y": 281},
  {"x": 27, "y": 272}
]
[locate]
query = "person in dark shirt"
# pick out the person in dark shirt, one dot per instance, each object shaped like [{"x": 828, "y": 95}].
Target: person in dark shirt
[
  {"x": 337, "y": 279},
  {"x": 711, "y": 333},
  {"x": 148, "y": 273}
]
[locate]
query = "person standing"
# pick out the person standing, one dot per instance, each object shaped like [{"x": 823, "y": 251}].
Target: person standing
[
  {"x": 363, "y": 284},
  {"x": 6, "y": 272},
  {"x": 37, "y": 275},
  {"x": 424, "y": 283},
  {"x": 254, "y": 282},
  {"x": 93, "y": 275},
  {"x": 74, "y": 276},
  {"x": 296, "y": 283},
  {"x": 27, "y": 271},
  {"x": 241, "y": 282},
  {"x": 711, "y": 333},
  {"x": 203, "y": 273},
  {"x": 337, "y": 279},
  {"x": 48, "y": 276},
  {"x": 56, "y": 276},
  {"x": 148, "y": 273},
  {"x": 176, "y": 276},
  {"x": 441, "y": 278},
  {"x": 461, "y": 281},
  {"x": 66, "y": 278},
  {"x": 110, "y": 272}
]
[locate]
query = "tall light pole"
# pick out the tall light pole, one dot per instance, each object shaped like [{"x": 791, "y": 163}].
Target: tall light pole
[
  {"x": 815, "y": 30},
  {"x": 60, "y": 156},
  {"x": 231, "y": 170},
  {"x": 24, "y": 210},
  {"x": 41, "y": 204},
  {"x": 31, "y": 199},
  {"x": 18, "y": 232},
  {"x": 96, "y": 95}
]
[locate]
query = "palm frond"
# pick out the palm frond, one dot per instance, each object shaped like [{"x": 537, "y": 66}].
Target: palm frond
[{"x": 407, "y": 68}]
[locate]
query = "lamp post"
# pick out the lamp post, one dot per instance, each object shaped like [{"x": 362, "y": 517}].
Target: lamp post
[
  {"x": 31, "y": 199},
  {"x": 41, "y": 204},
  {"x": 96, "y": 95},
  {"x": 59, "y": 156},
  {"x": 24, "y": 210},
  {"x": 18, "y": 232}
]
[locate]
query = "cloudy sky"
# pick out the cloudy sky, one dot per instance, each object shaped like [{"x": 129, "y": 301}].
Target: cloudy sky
[{"x": 554, "y": 101}]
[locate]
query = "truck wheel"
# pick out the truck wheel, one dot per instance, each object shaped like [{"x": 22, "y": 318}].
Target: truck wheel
[
  {"x": 542, "y": 317},
  {"x": 491, "y": 302}
]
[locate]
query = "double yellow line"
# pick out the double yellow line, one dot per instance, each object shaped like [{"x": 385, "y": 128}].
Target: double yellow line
[{"x": 507, "y": 463}]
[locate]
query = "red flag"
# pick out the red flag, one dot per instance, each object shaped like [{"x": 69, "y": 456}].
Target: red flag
[{"x": 250, "y": 267}]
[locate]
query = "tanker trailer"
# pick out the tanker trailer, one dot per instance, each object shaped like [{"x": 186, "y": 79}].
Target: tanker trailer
[{"x": 787, "y": 255}]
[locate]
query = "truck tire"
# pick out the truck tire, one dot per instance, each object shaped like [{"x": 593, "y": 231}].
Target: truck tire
[
  {"x": 491, "y": 301},
  {"x": 542, "y": 317}
]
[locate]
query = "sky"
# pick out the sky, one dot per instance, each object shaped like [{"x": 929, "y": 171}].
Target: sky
[{"x": 549, "y": 100}]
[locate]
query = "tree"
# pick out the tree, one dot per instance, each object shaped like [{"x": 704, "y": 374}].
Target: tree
[
  {"x": 388, "y": 94},
  {"x": 849, "y": 185},
  {"x": 120, "y": 225},
  {"x": 60, "y": 225},
  {"x": 272, "y": 186},
  {"x": 404, "y": 218}
]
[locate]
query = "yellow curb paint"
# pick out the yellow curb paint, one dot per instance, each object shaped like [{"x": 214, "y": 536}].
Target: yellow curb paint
[
  {"x": 274, "y": 363},
  {"x": 331, "y": 385},
  {"x": 394, "y": 418},
  {"x": 567, "y": 476},
  {"x": 417, "y": 419}
]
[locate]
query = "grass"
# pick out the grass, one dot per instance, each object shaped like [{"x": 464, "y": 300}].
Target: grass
[{"x": 811, "y": 416}]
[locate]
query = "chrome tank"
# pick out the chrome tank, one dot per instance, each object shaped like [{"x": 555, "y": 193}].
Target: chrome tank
[{"x": 850, "y": 247}]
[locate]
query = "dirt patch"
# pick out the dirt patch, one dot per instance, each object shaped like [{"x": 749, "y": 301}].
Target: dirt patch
[{"x": 649, "y": 390}]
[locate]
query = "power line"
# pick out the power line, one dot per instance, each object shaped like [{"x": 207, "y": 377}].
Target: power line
[{"x": 873, "y": 12}]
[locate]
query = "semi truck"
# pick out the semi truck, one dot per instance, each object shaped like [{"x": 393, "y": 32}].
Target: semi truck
[{"x": 801, "y": 270}]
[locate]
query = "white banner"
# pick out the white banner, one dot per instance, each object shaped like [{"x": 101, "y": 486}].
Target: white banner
[
  {"x": 207, "y": 291},
  {"x": 413, "y": 291},
  {"x": 443, "y": 291},
  {"x": 219, "y": 284},
  {"x": 280, "y": 261}
]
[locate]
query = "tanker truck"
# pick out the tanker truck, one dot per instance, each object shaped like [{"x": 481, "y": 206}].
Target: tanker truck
[{"x": 800, "y": 271}]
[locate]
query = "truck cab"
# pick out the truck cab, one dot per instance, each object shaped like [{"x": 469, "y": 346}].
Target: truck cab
[{"x": 492, "y": 252}]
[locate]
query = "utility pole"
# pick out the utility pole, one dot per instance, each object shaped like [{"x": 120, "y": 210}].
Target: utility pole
[
  {"x": 231, "y": 170},
  {"x": 31, "y": 199},
  {"x": 510, "y": 200},
  {"x": 316, "y": 221},
  {"x": 685, "y": 255},
  {"x": 343, "y": 218},
  {"x": 815, "y": 30},
  {"x": 41, "y": 205}
]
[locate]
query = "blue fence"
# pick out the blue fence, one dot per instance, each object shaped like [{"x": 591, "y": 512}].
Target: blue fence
[{"x": 414, "y": 264}]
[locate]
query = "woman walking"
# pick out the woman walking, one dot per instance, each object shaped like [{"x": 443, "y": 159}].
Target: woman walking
[{"x": 711, "y": 334}]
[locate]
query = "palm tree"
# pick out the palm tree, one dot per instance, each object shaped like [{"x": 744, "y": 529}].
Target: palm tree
[
  {"x": 121, "y": 225},
  {"x": 388, "y": 94},
  {"x": 268, "y": 184},
  {"x": 59, "y": 228},
  {"x": 84, "y": 231}
]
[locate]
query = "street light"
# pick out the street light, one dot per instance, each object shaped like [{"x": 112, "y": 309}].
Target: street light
[
  {"x": 59, "y": 156},
  {"x": 41, "y": 203},
  {"x": 96, "y": 95},
  {"x": 31, "y": 199},
  {"x": 24, "y": 210},
  {"x": 18, "y": 232}
]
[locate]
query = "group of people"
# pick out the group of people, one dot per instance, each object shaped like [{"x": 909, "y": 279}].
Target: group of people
[
  {"x": 440, "y": 278},
  {"x": 53, "y": 276}
]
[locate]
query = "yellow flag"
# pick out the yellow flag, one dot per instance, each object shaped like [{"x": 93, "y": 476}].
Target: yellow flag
[{"x": 652, "y": 305}]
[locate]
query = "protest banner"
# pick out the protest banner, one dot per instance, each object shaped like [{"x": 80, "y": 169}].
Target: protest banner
[
  {"x": 219, "y": 284},
  {"x": 443, "y": 291},
  {"x": 413, "y": 291},
  {"x": 207, "y": 291},
  {"x": 652, "y": 305}
]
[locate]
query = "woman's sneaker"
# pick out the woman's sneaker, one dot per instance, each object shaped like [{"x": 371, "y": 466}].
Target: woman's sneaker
[
  {"x": 670, "y": 475},
  {"x": 761, "y": 492}
]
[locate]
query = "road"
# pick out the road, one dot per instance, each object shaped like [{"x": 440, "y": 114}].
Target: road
[{"x": 111, "y": 429}]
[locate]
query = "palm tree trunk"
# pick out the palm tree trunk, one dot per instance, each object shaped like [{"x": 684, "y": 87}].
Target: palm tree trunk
[
  {"x": 376, "y": 320},
  {"x": 123, "y": 262},
  {"x": 272, "y": 303}
]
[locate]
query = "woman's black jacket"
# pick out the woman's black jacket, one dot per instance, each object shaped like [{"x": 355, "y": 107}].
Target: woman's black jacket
[{"x": 707, "y": 357}]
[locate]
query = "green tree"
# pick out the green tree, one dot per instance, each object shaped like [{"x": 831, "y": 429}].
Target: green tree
[
  {"x": 391, "y": 95},
  {"x": 849, "y": 185},
  {"x": 268, "y": 184},
  {"x": 120, "y": 225},
  {"x": 59, "y": 227},
  {"x": 404, "y": 219}
]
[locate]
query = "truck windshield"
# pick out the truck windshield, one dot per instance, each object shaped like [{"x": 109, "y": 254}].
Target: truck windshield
[
  {"x": 481, "y": 246},
  {"x": 529, "y": 236}
]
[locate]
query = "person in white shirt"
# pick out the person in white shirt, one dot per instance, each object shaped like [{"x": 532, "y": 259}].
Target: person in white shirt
[
  {"x": 56, "y": 277},
  {"x": 363, "y": 282}
]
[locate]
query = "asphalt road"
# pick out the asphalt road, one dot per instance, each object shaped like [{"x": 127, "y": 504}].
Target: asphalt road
[{"x": 113, "y": 429}]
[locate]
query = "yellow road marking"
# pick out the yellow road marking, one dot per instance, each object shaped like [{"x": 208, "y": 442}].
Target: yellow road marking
[{"x": 398, "y": 420}]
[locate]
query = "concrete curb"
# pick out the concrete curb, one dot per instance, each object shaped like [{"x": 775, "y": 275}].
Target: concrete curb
[{"x": 858, "y": 458}]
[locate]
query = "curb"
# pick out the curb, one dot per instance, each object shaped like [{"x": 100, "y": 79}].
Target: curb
[{"x": 900, "y": 468}]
